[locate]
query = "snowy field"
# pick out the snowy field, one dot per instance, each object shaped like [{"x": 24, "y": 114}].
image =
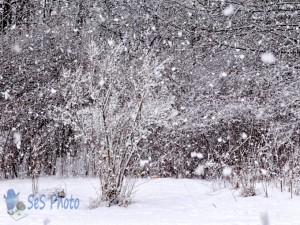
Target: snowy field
[{"x": 162, "y": 202}]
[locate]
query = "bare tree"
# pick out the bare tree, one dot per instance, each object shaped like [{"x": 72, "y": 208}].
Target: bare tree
[{"x": 105, "y": 105}]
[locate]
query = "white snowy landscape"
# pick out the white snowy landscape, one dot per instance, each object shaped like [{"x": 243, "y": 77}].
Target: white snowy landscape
[
  {"x": 161, "y": 201},
  {"x": 145, "y": 112}
]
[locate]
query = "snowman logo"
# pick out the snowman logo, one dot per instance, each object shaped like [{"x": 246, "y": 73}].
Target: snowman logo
[{"x": 12, "y": 202}]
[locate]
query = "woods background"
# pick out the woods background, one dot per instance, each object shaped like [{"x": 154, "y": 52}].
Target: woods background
[{"x": 149, "y": 88}]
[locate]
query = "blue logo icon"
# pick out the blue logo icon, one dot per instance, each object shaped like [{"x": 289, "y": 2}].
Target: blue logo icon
[
  {"x": 11, "y": 200},
  {"x": 15, "y": 208}
]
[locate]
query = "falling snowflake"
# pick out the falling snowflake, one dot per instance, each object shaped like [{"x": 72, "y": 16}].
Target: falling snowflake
[
  {"x": 228, "y": 10},
  {"x": 6, "y": 95},
  {"x": 197, "y": 154},
  {"x": 143, "y": 162},
  {"x": 227, "y": 171},
  {"x": 244, "y": 135},
  {"x": 199, "y": 170},
  {"x": 263, "y": 172},
  {"x": 16, "y": 48},
  {"x": 101, "y": 82},
  {"x": 268, "y": 58},
  {"x": 223, "y": 74},
  {"x": 110, "y": 42},
  {"x": 53, "y": 91},
  {"x": 17, "y": 139}
]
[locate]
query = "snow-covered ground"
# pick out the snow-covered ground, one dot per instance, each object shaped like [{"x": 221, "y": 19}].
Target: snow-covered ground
[{"x": 159, "y": 201}]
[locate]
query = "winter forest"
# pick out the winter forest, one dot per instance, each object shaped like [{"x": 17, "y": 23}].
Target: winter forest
[{"x": 122, "y": 90}]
